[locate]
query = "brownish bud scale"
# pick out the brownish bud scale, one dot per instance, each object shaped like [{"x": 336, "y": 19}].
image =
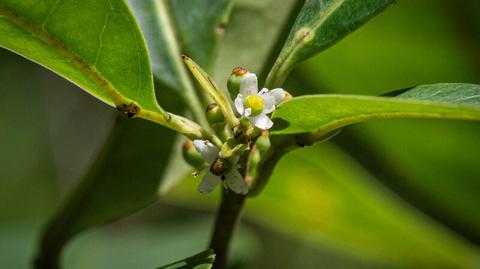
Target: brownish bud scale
[
  {"x": 239, "y": 71},
  {"x": 191, "y": 155},
  {"x": 288, "y": 96},
  {"x": 233, "y": 83}
]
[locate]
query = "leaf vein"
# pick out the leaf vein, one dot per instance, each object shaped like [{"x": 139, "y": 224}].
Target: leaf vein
[
  {"x": 50, "y": 12},
  {"x": 100, "y": 38}
]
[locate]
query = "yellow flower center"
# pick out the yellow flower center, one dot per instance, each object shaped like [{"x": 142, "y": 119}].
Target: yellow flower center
[{"x": 255, "y": 103}]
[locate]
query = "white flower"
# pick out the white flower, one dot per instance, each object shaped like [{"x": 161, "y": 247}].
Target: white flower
[
  {"x": 231, "y": 178},
  {"x": 255, "y": 105}
]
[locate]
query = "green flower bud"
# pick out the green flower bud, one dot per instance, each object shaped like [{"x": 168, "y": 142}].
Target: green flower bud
[
  {"x": 233, "y": 83},
  {"x": 214, "y": 114},
  {"x": 263, "y": 142},
  {"x": 244, "y": 122},
  {"x": 191, "y": 155}
]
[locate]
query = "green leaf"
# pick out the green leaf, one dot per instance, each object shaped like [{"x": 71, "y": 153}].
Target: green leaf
[
  {"x": 322, "y": 114},
  {"x": 124, "y": 179},
  {"x": 95, "y": 44},
  {"x": 318, "y": 26},
  {"x": 203, "y": 260},
  {"x": 455, "y": 93}
]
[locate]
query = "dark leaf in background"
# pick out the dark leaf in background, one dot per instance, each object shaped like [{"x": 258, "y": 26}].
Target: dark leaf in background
[{"x": 124, "y": 179}]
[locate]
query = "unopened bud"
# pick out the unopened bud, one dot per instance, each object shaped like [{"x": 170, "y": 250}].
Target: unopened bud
[
  {"x": 214, "y": 114},
  {"x": 233, "y": 83},
  {"x": 191, "y": 155},
  {"x": 263, "y": 142}
]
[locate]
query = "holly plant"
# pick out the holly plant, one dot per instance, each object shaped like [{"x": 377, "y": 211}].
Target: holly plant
[{"x": 232, "y": 130}]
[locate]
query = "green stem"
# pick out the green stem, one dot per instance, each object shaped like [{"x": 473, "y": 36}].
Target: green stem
[{"x": 227, "y": 218}]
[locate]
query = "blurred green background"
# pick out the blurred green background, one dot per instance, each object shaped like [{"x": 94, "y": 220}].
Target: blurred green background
[{"x": 386, "y": 194}]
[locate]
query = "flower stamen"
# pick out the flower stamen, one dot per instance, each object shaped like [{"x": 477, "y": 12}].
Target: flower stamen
[{"x": 255, "y": 103}]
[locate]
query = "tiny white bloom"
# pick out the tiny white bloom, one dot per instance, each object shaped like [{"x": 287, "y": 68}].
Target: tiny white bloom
[
  {"x": 231, "y": 178},
  {"x": 255, "y": 105}
]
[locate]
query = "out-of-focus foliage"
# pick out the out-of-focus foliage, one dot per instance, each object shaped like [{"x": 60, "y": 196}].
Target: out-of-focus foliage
[
  {"x": 321, "y": 207},
  {"x": 329, "y": 199}
]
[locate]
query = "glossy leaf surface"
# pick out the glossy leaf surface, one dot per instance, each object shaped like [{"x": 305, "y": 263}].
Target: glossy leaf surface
[{"x": 95, "y": 44}]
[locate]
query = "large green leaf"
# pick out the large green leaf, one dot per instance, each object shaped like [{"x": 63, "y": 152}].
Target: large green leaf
[
  {"x": 95, "y": 44},
  {"x": 124, "y": 179},
  {"x": 318, "y": 26},
  {"x": 324, "y": 113},
  {"x": 203, "y": 260}
]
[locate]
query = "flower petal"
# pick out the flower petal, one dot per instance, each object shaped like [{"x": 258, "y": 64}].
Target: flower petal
[
  {"x": 207, "y": 150},
  {"x": 248, "y": 112},
  {"x": 235, "y": 182},
  {"x": 268, "y": 101},
  {"x": 239, "y": 104},
  {"x": 249, "y": 85},
  {"x": 278, "y": 94},
  {"x": 262, "y": 121},
  {"x": 209, "y": 182}
]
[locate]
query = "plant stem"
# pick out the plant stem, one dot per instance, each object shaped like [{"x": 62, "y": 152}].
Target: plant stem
[{"x": 227, "y": 218}]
